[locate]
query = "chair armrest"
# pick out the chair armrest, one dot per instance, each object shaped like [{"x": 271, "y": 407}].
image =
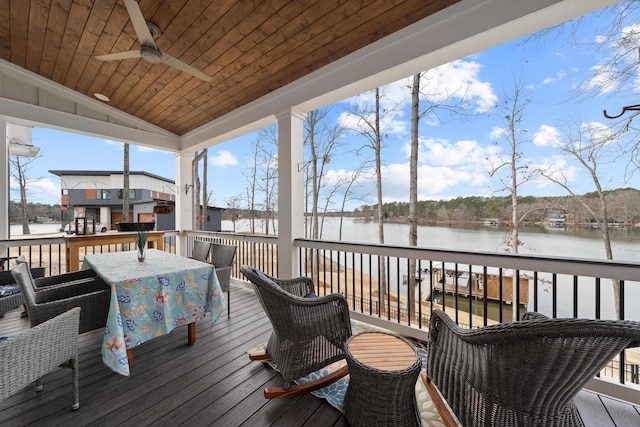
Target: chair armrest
[
  {"x": 73, "y": 289},
  {"x": 94, "y": 305},
  {"x": 81, "y": 275},
  {"x": 6, "y": 278}
]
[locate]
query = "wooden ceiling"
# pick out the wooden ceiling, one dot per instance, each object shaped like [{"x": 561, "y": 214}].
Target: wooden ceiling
[{"x": 249, "y": 48}]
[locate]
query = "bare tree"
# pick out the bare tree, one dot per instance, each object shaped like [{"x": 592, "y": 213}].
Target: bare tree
[
  {"x": 428, "y": 99},
  {"x": 513, "y": 170},
  {"x": 590, "y": 145},
  {"x": 125, "y": 191},
  {"x": 19, "y": 171},
  {"x": 200, "y": 195},
  {"x": 322, "y": 141},
  {"x": 350, "y": 183},
  {"x": 368, "y": 116},
  {"x": 233, "y": 205},
  {"x": 252, "y": 177}
]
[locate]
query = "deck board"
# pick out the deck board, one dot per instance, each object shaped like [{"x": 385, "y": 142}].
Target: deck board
[{"x": 211, "y": 383}]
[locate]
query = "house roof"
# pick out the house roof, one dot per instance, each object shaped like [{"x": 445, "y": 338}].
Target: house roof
[
  {"x": 263, "y": 57},
  {"x": 107, "y": 173}
]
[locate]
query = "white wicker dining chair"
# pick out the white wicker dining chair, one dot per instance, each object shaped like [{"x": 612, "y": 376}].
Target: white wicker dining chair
[{"x": 29, "y": 355}]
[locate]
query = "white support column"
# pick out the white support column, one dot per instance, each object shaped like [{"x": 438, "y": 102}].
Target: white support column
[
  {"x": 184, "y": 200},
  {"x": 4, "y": 182},
  {"x": 290, "y": 189}
]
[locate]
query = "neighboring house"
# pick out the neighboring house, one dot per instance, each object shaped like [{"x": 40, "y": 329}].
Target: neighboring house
[{"x": 98, "y": 195}]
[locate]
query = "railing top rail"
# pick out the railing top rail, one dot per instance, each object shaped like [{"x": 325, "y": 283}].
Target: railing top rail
[
  {"x": 612, "y": 269},
  {"x": 242, "y": 237},
  {"x": 33, "y": 241}
]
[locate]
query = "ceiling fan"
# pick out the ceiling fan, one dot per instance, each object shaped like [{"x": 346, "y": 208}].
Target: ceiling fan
[{"x": 147, "y": 32}]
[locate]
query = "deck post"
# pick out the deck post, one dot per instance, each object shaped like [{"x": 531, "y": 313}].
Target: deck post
[
  {"x": 184, "y": 199},
  {"x": 4, "y": 183},
  {"x": 290, "y": 189}
]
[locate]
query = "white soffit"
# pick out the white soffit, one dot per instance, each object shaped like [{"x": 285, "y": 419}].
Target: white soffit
[
  {"x": 466, "y": 27},
  {"x": 31, "y": 100}
]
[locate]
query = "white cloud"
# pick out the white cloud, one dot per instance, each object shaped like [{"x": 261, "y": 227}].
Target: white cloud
[
  {"x": 43, "y": 190},
  {"x": 465, "y": 154},
  {"x": 603, "y": 79},
  {"x": 600, "y": 39},
  {"x": 497, "y": 132},
  {"x": 559, "y": 76},
  {"x": 556, "y": 167},
  {"x": 598, "y": 132},
  {"x": 547, "y": 136},
  {"x": 459, "y": 79},
  {"x": 223, "y": 158}
]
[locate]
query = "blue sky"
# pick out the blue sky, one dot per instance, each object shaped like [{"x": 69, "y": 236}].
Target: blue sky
[{"x": 454, "y": 154}]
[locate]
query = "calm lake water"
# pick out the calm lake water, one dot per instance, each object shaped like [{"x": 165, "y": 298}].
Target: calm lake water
[{"x": 571, "y": 242}]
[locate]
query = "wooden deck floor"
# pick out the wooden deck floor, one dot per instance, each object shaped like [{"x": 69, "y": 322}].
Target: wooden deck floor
[{"x": 210, "y": 383}]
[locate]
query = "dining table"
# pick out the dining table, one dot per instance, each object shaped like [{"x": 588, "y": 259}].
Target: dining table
[{"x": 150, "y": 298}]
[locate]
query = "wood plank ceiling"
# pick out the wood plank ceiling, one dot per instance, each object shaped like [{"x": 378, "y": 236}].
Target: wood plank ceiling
[{"x": 249, "y": 48}]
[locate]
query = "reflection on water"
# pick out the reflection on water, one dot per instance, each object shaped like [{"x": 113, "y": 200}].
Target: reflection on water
[{"x": 574, "y": 242}]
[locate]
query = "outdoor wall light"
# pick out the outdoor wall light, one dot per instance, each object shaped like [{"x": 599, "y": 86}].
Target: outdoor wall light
[
  {"x": 19, "y": 148},
  {"x": 187, "y": 187}
]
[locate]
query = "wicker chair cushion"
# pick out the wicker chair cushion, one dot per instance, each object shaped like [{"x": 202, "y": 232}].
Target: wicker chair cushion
[
  {"x": 266, "y": 278},
  {"x": 311, "y": 295},
  {"x": 7, "y": 290}
]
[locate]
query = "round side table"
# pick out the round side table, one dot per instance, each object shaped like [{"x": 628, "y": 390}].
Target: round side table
[{"x": 383, "y": 370}]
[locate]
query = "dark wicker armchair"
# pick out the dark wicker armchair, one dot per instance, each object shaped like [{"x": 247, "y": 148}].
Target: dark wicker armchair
[
  {"x": 29, "y": 355},
  {"x": 93, "y": 297},
  {"x": 308, "y": 332},
  {"x": 222, "y": 258},
  {"x": 521, "y": 373}
]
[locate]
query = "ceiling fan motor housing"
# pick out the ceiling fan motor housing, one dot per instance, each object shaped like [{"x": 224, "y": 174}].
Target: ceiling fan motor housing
[{"x": 150, "y": 53}]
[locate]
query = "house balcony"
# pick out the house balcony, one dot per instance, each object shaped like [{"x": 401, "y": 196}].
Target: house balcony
[{"x": 214, "y": 383}]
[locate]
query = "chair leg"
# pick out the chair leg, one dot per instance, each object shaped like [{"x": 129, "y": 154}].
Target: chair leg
[
  {"x": 39, "y": 385},
  {"x": 228, "y": 304},
  {"x": 76, "y": 385}
]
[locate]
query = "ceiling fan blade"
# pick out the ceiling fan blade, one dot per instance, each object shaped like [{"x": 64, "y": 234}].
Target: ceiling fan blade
[
  {"x": 177, "y": 64},
  {"x": 120, "y": 55},
  {"x": 139, "y": 23}
]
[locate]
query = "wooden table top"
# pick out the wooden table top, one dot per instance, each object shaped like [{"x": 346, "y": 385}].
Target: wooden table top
[{"x": 382, "y": 351}]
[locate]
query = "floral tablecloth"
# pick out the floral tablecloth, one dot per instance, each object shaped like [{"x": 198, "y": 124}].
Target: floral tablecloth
[{"x": 151, "y": 298}]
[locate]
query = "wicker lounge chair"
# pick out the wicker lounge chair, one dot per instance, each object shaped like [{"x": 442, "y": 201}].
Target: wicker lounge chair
[
  {"x": 201, "y": 250},
  {"x": 93, "y": 297},
  {"x": 520, "y": 373},
  {"x": 222, "y": 258},
  {"x": 309, "y": 332},
  {"x": 27, "y": 356}
]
